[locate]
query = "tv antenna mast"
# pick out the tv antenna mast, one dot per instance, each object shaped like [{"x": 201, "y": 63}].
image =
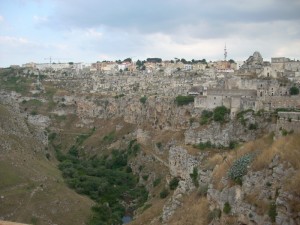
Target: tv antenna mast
[{"x": 225, "y": 53}]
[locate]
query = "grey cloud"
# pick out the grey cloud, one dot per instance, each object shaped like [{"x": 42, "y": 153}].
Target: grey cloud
[{"x": 166, "y": 16}]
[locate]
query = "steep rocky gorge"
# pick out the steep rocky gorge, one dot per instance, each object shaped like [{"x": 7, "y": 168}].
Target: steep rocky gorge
[{"x": 168, "y": 135}]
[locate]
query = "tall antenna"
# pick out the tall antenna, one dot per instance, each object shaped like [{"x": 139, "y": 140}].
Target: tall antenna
[{"x": 225, "y": 53}]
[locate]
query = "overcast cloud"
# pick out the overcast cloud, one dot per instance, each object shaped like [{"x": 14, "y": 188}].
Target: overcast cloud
[{"x": 93, "y": 30}]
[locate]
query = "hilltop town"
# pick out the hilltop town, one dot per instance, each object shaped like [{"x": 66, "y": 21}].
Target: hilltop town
[{"x": 253, "y": 84}]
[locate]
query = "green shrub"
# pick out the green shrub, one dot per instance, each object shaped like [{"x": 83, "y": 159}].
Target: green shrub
[
  {"x": 184, "y": 100},
  {"x": 232, "y": 144},
  {"x": 194, "y": 176},
  {"x": 206, "y": 116},
  {"x": 159, "y": 145},
  {"x": 145, "y": 177},
  {"x": 156, "y": 182},
  {"x": 204, "y": 121},
  {"x": 294, "y": 91},
  {"x": 239, "y": 167},
  {"x": 164, "y": 193},
  {"x": 205, "y": 145},
  {"x": 143, "y": 99},
  {"x": 128, "y": 169},
  {"x": 51, "y": 136},
  {"x": 272, "y": 211},
  {"x": 119, "y": 96},
  {"x": 48, "y": 155},
  {"x": 227, "y": 208},
  {"x": 253, "y": 126},
  {"x": 33, "y": 113},
  {"x": 284, "y": 132},
  {"x": 219, "y": 113},
  {"x": 174, "y": 183}
]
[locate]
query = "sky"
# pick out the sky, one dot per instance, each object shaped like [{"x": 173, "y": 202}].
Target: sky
[{"x": 97, "y": 30}]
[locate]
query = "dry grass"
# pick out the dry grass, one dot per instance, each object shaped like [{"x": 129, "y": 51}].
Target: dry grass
[
  {"x": 293, "y": 185},
  {"x": 224, "y": 162},
  {"x": 262, "y": 205},
  {"x": 32, "y": 187},
  {"x": 288, "y": 148},
  {"x": 10, "y": 223},
  {"x": 194, "y": 211},
  {"x": 149, "y": 214}
]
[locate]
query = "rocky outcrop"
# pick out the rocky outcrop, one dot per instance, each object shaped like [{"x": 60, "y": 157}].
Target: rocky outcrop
[
  {"x": 222, "y": 134},
  {"x": 251, "y": 201},
  {"x": 253, "y": 65},
  {"x": 159, "y": 112},
  {"x": 181, "y": 165}
]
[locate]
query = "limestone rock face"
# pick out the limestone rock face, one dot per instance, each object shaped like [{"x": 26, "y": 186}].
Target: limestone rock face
[
  {"x": 263, "y": 187},
  {"x": 253, "y": 65},
  {"x": 221, "y": 134},
  {"x": 159, "y": 112},
  {"x": 181, "y": 164}
]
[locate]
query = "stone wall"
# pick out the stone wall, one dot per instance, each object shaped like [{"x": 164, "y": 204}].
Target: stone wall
[{"x": 288, "y": 122}]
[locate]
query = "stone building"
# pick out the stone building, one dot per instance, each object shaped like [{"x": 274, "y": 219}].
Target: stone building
[{"x": 233, "y": 99}]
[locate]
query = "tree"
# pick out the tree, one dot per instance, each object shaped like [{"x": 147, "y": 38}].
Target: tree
[
  {"x": 184, "y": 100},
  {"x": 183, "y": 61},
  {"x": 231, "y": 61},
  {"x": 139, "y": 63},
  {"x": 127, "y": 60},
  {"x": 174, "y": 183},
  {"x": 294, "y": 90},
  {"x": 204, "y": 61},
  {"x": 154, "y": 60}
]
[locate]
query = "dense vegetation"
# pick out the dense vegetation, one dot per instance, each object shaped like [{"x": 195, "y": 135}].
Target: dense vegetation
[
  {"x": 294, "y": 90},
  {"x": 239, "y": 168},
  {"x": 184, "y": 100},
  {"x": 220, "y": 113},
  {"x": 206, "y": 117},
  {"x": 108, "y": 180}
]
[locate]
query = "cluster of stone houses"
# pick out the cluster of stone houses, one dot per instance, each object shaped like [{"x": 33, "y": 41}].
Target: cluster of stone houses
[
  {"x": 253, "y": 87},
  {"x": 56, "y": 66},
  {"x": 255, "y": 84},
  {"x": 110, "y": 67}
]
